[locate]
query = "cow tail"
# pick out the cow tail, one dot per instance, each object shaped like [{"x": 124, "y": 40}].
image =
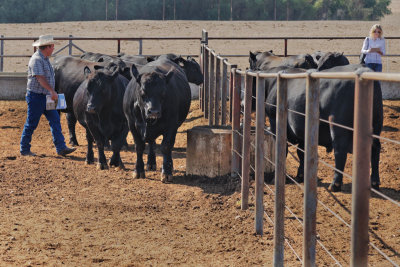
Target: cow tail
[{"x": 330, "y": 119}]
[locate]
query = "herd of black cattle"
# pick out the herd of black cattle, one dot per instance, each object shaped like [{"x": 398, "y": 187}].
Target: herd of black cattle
[{"x": 150, "y": 96}]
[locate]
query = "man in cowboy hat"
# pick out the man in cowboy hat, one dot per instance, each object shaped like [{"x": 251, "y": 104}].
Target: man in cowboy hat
[{"x": 41, "y": 83}]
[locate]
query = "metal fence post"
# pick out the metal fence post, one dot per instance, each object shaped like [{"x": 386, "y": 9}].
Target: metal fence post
[
  {"x": 246, "y": 142},
  {"x": 259, "y": 160},
  {"x": 224, "y": 92},
  {"x": 231, "y": 85},
  {"x": 235, "y": 123},
  {"x": 140, "y": 50},
  {"x": 362, "y": 142},
  {"x": 217, "y": 89},
  {"x": 310, "y": 171},
  {"x": 70, "y": 46},
  {"x": 206, "y": 80},
  {"x": 2, "y": 54},
  {"x": 204, "y": 37},
  {"x": 286, "y": 41},
  {"x": 211, "y": 89},
  {"x": 201, "y": 87},
  {"x": 118, "y": 46},
  {"x": 280, "y": 171}
]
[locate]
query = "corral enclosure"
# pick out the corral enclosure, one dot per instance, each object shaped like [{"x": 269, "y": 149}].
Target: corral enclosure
[{"x": 59, "y": 211}]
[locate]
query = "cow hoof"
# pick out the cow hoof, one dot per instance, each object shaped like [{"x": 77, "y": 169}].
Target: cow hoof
[
  {"x": 166, "y": 178},
  {"x": 138, "y": 175},
  {"x": 102, "y": 166},
  {"x": 73, "y": 143},
  {"x": 88, "y": 162},
  {"x": 151, "y": 167},
  {"x": 335, "y": 187},
  {"x": 375, "y": 186}
]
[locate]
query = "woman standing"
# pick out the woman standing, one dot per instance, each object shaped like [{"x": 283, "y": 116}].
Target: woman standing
[{"x": 374, "y": 48}]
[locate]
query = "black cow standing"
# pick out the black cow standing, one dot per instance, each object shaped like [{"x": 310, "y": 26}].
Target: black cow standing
[
  {"x": 98, "y": 107},
  {"x": 337, "y": 105},
  {"x": 156, "y": 103}
]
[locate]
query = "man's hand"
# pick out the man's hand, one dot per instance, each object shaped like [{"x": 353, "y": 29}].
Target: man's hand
[{"x": 54, "y": 95}]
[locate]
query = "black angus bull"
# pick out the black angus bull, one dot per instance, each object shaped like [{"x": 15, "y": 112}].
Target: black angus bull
[
  {"x": 267, "y": 60},
  {"x": 98, "y": 107},
  {"x": 69, "y": 74},
  {"x": 124, "y": 68},
  {"x": 156, "y": 103},
  {"x": 337, "y": 105}
]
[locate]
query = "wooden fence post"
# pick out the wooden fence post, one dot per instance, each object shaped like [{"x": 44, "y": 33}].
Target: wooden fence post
[
  {"x": 259, "y": 160},
  {"x": 217, "y": 89},
  {"x": 211, "y": 93},
  {"x": 236, "y": 147},
  {"x": 224, "y": 92},
  {"x": 280, "y": 171},
  {"x": 246, "y": 141},
  {"x": 310, "y": 171},
  {"x": 362, "y": 143}
]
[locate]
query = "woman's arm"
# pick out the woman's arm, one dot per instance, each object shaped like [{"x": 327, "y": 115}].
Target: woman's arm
[{"x": 364, "y": 48}]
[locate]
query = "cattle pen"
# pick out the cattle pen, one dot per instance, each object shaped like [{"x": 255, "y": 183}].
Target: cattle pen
[{"x": 226, "y": 84}]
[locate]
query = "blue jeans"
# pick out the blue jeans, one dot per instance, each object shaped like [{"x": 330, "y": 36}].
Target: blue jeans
[
  {"x": 375, "y": 67},
  {"x": 37, "y": 107}
]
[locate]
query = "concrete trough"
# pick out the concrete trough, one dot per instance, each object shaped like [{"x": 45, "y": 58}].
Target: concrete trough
[
  {"x": 208, "y": 151},
  {"x": 13, "y": 85}
]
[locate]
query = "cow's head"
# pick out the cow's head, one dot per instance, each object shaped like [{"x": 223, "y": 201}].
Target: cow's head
[
  {"x": 306, "y": 62},
  {"x": 151, "y": 94},
  {"x": 192, "y": 70},
  {"x": 330, "y": 60},
  {"x": 255, "y": 57},
  {"x": 98, "y": 86}
]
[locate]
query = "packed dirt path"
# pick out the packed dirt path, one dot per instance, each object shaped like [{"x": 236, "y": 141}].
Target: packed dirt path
[{"x": 59, "y": 211}]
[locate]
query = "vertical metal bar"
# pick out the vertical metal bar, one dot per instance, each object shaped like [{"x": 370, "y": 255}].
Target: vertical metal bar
[
  {"x": 140, "y": 52},
  {"x": 224, "y": 92},
  {"x": 361, "y": 170},
  {"x": 206, "y": 80},
  {"x": 2, "y": 54},
  {"x": 235, "y": 123},
  {"x": 201, "y": 87},
  {"x": 119, "y": 46},
  {"x": 280, "y": 171},
  {"x": 204, "y": 37},
  {"x": 246, "y": 142},
  {"x": 211, "y": 89},
  {"x": 70, "y": 46},
  {"x": 310, "y": 171},
  {"x": 34, "y": 48},
  {"x": 231, "y": 85},
  {"x": 217, "y": 89},
  {"x": 116, "y": 9},
  {"x": 260, "y": 123},
  {"x": 286, "y": 47}
]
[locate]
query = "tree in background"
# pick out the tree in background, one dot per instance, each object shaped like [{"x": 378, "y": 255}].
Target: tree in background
[{"x": 18, "y": 11}]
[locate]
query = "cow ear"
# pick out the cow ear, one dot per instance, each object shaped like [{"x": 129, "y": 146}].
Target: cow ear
[
  {"x": 100, "y": 59},
  {"x": 150, "y": 59},
  {"x": 134, "y": 71},
  {"x": 87, "y": 71},
  {"x": 138, "y": 78},
  {"x": 252, "y": 56},
  {"x": 169, "y": 75}
]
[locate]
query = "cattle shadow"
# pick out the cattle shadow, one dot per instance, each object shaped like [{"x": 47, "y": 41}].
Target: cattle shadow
[
  {"x": 221, "y": 185},
  {"x": 394, "y": 108},
  {"x": 193, "y": 119},
  {"x": 387, "y": 128}
]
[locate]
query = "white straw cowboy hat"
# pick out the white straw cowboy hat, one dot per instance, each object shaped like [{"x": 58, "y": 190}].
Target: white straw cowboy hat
[{"x": 44, "y": 40}]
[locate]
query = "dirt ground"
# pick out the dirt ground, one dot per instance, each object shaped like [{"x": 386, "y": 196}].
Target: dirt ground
[{"x": 59, "y": 211}]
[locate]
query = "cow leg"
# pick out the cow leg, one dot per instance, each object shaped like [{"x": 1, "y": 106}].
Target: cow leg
[
  {"x": 89, "y": 154},
  {"x": 71, "y": 121},
  {"x": 340, "y": 162},
  {"x": 166, "y": 150},
  {"x": 99, "y": 138},
  {"x": 300, "y": 170},
  {"x": 116, "y": 146},
  {"x": 375, "y": 156},
  {"x": 151, "y": 158}
]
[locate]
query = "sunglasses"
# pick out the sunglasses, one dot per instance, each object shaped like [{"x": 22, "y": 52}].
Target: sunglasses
[{"x": 377, "y": 31}]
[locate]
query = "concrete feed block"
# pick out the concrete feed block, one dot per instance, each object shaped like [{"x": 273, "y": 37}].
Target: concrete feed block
[
  {"x": 208, "y": 151},
  {"x": 12, "y": 86}
]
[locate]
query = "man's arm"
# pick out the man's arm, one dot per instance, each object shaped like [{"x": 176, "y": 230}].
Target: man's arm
[{"x": 43, "y": 82}]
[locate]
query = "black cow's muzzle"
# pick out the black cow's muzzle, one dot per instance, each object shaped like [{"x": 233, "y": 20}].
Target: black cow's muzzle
[{"x": 152, "y": 116}]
